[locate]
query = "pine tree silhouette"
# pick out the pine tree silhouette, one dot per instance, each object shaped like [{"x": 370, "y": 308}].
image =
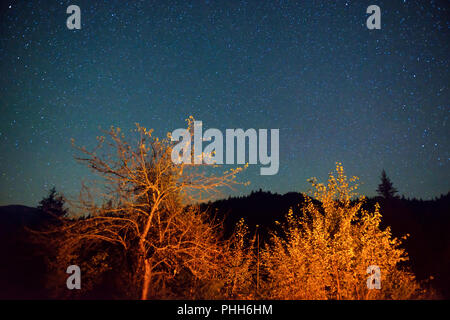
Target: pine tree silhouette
[
  {"x": 53, "y": 204},
  {"x": 386, "y": 188}
]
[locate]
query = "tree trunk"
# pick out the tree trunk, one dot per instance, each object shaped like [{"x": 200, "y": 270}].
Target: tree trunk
[
  {"x": 147, "y": 264},
  {"x": 147, "y": 280}
]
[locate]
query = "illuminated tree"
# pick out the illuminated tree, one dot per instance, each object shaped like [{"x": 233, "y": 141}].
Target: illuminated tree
[
  {"x": 325, "y": 253},
  {"x": 239, "y": 268},
  {"x": 139, "y": 212}
]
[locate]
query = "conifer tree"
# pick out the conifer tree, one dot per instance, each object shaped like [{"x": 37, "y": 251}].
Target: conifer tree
[
  {"x": 386, "y": 187},
  {"x": 53, "y": 204}
]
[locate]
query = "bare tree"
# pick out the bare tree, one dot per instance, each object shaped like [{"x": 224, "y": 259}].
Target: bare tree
[{"x": 142, "y": 207}]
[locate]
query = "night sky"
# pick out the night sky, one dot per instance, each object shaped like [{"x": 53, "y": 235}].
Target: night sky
[{"x": 371, "y": 99}]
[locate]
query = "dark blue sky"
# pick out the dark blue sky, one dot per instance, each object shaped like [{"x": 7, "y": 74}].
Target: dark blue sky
[{"x": 371, "y": 99}]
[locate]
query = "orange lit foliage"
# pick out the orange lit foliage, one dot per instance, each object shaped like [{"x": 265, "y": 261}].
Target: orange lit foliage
[
  {"x": 239, "y": 267},
  {"x": 325, "y": 253},
  {"x": 138, "y": 215}
]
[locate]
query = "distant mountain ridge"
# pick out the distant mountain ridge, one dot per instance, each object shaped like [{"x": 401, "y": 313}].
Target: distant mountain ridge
[
  {"x": 261, "y": 208},
  {"x": 17, "y": 216},
  {"x": 22, "y": 271},
  {"x": 264, "y": 207}
]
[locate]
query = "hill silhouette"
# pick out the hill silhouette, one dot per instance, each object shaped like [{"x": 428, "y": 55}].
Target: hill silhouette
[
  {"x": 22, "y": 271},
  {"x": 260, "y": 208}
]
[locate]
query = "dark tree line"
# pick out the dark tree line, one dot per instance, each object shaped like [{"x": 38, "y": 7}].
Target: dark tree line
[{"x": 426, "y": 222}]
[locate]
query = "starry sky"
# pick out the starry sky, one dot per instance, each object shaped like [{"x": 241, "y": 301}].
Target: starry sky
[{"x": 371, "y": 99}]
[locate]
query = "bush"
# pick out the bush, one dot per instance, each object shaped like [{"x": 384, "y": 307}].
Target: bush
[{"x": 325, "y": 253}]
